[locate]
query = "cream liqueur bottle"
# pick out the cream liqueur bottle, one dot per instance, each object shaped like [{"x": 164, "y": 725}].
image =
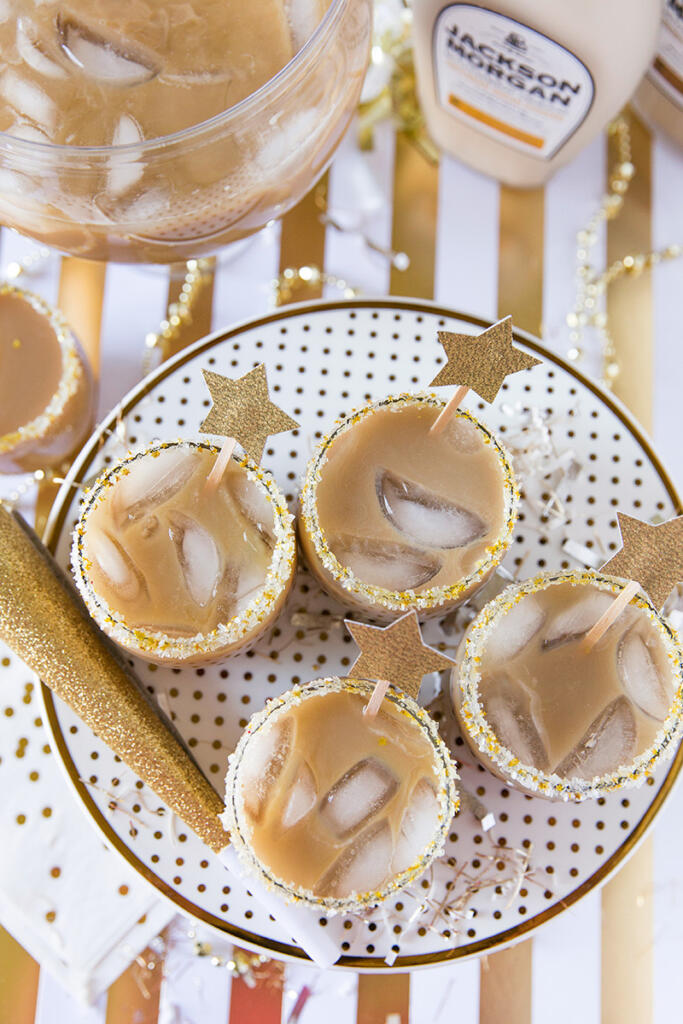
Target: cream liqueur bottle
[
  {"x": 517, "y": 87},
  {"x": 660, "y": 95}
]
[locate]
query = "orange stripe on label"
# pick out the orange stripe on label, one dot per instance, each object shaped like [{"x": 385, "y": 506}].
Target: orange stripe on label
[
  {"x": 262, "y": 1003},
  {"x": 668, "y": 75},
  {"x": 492, "y": 122},
  {"x": 134, "y": 996}
]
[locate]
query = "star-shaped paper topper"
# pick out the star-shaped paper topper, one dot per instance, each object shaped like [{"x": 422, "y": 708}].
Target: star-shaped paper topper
[
  {"x": 242, "y": 409},
  {"x": 652, "y": 555},
  {"x": 482, "y": 361},
  {"x": 395, "y": 653}
]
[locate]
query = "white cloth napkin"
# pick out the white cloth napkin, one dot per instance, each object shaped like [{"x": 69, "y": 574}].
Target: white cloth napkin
[{"x": 76, "y": 907}]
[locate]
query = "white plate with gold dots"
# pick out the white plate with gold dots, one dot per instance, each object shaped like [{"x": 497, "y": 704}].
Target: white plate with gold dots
[{"x": 581, "y": 457}]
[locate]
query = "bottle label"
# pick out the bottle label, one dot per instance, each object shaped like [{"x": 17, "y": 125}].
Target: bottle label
[
  {"x": 509, "y": 81},
  {"x": 666, "y": 71}
]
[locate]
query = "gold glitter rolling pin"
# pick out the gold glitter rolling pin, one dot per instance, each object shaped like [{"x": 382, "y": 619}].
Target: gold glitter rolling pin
[{"x": 43, "y": 620}]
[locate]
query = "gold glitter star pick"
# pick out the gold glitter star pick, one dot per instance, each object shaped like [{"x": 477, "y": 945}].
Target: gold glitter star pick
[
  {"x": 652, "y": 555},
  {"x": 394, "y": 654},
  {"x": 242, "y": 409},
  {"x": 480, "y": 361}
]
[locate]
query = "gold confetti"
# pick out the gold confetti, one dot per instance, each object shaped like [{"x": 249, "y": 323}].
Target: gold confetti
[
  {"x": 652, "y": 555},
  {"x": 242, "y": 409},
  {"x": 395, "y": 653},
  {"x": 482, "y": 361}
]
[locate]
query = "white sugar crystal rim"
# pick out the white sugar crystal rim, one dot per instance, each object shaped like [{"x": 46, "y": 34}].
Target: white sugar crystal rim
[
  {"x": 550, "y": 784},
  {"x": 403, "y": 600},
  {"x": 234, "y": 818},
  {"x": 69, "y": 381},
  {"x": 161, "y": 645}
]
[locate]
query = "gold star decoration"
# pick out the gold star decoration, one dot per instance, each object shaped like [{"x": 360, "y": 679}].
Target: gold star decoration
[
  {"x": 395, "y": 653},
  {"x": 242, "y": 409},
  {"x": 652, "y": 555},
  {"x": 482, "y": 361}
]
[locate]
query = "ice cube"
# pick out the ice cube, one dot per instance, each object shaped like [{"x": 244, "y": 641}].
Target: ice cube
[
  {"x": 253, "y": 504},
  {"x": 29, "y": 100},
  {"x": 115, "y": 563},
  {"x": 251, "y": 578},
  {"x": 509, "y": 713},
  {"x": 418, "y": 826},
  {"x": 303, "y": 17},
  {"x": 423, "y": 515},
  {"x": 515, "y": 629},
  {"x": 32, "y": 51},
  {"x": 302, "y": 796},
  {"x": 105, "y": 60},
  {"x": 573, "y": 621},
  {"x": 384, "y": 563},
  {"x": 150, "y": 481},
  {"x": 357, "y": 796},
  {"x": 174, "y": 629},
  {"x": 262, "y": 764},
  {"x": 125, "y": 170},
  {"x": 463, "y": 434},
  {"x": 198, "y": 555},
  {"x": 608, "y": 743},
  {"x": 640, "y": 680},
  {"x": 363, "y": 866}
]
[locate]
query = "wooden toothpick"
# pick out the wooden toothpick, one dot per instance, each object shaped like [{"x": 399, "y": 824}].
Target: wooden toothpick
[
  {"x": 611, "y": 615},
  {"x": 377, "y": 696},
  {"x": 446, "y": 414},
  {"x": 220, "y": 465}
]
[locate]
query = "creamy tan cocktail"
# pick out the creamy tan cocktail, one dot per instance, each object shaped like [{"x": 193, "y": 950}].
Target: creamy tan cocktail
[
  {"x": 333, "y": 807},
  {"x": 394, "y": 517},
  {"x": 548, "y": 713},
  {"x": 178, "y": 572},
  {"x": 47, "y": 394},
  {"x": 121, "y": 138}
]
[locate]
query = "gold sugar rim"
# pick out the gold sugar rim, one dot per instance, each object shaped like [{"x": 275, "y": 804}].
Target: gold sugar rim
[
  {"x": 71, "y": 375},
  {"x": 234, "y": 816},
  {"x": 549, "y": 783},
  {"x": 160, "y": 644},
  {"x": 407, "y": 599}
]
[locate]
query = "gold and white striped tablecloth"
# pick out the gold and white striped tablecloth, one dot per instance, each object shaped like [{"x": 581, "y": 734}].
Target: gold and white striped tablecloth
[{"x": 487, "y": 250}]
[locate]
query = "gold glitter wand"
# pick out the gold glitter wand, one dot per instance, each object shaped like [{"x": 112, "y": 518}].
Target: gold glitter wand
[{"x": 43, "y": 620}]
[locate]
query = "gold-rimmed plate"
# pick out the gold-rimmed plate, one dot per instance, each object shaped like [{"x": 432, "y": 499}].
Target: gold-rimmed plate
[{"x": 324, "y": 359}]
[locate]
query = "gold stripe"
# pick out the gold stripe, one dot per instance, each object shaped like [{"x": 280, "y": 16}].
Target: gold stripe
[
  {"x": 629, "y": 300},
  {"x": 302, "y": 239},
  {"x": 202, "y": 309},
  {"x": 505, "y": 986},
  {"x": 505, "y": 977},
  {"x": 520, "y": 259},
  {"x": 134, "y": 996},
  {"x": 382, "y": 995},
  {"x": 80, "y": 298},
  {"x": 416, "y": 193},
  {"x": 627, "y": 911},
  {"x": 19, "y": 975}
]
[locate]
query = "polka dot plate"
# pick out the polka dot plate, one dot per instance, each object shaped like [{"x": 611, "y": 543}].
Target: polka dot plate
[{"x": 580, "y": 457}]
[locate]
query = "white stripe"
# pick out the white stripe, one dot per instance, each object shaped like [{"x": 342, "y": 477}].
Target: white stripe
[
  {"x": 465, "y": 276},
  {"x": 446, "y": 995},
  {"x": 667, "y": 283},
  {"x": 571, "y": 197},
  {"x": 134, "y": 304},
  {"x": 193, "y": 990},
  {"x": 333, "y": 995},
  {"x": 55, "y": 1006},
  {"x": 243, "y": 278},
  {"x": 566, "y": 966},
  {"x": 360, "y": 198}
]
